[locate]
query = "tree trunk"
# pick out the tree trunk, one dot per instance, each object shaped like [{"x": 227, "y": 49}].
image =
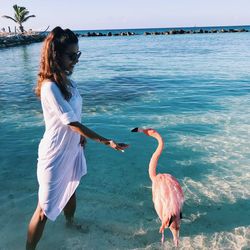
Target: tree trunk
[{"x": 21, "y": 28}]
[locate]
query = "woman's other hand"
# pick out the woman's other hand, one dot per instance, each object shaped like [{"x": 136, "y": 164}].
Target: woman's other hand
[{"x": 83, "y": 141}]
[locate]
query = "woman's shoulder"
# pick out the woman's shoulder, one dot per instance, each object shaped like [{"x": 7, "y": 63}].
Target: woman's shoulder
[
  {"x": 47, "y": 82},
  {"x": 49, "y": 86}
]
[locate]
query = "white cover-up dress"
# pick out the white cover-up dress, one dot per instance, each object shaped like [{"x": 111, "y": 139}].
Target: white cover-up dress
[{"x": 61, "y": 161}]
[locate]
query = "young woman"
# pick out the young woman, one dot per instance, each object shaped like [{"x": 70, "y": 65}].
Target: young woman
[{"x": 61, "y": 162}]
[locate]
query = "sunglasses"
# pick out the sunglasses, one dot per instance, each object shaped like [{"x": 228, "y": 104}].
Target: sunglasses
[{"x": 74, "y": 56}]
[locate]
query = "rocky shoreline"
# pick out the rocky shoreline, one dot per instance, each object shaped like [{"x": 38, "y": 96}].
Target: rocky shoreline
[
  {"x": 12, "y": 40},
  {"x": 168, "y": 32},
  {"x": 20, "y": 39}
]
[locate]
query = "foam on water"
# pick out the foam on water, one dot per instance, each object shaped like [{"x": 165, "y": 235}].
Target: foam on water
[{"x": 227, "y": 150}]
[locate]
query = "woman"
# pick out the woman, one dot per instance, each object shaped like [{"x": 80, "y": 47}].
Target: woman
[{"x": 61, "y": 162}]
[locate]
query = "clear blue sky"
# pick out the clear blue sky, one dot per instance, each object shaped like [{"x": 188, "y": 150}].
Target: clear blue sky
[{"x": 118, "y": 14}]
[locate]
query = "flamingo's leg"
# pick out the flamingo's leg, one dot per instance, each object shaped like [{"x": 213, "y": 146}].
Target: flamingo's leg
[{"x": 162, "y": 237}]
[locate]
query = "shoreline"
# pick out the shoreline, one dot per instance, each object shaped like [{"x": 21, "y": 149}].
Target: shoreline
[
  {"x": 175, "y": 31},
  {"x": 12, "y": 40}
]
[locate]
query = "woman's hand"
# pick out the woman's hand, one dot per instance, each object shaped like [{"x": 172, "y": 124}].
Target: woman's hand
[
  {"x": 118, "y": 146},
  {"x": 83, "y": 141}
]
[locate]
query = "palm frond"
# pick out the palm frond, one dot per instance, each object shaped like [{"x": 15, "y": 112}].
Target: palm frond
[
  {"x": 18, "y": 9},
  {"x": 26, "y": 18},
  {"x": 24, "y": 13},
  {"x": 9, "y": 17}
]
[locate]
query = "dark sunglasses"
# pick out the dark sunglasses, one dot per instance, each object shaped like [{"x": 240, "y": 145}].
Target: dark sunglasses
[{"x": 74, "y": 56}]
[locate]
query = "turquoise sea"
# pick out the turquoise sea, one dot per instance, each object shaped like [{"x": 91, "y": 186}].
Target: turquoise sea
[{"x": 194, "y": 89}]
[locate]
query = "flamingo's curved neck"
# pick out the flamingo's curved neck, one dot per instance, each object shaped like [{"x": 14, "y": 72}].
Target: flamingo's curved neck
[{"x": 155, "y": 156}]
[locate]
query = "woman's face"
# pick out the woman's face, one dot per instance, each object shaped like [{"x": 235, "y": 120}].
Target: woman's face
[{"x": 70, "y": 57}]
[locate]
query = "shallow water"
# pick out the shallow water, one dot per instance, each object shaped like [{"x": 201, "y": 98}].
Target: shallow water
[{"x": 194, "y": 89}]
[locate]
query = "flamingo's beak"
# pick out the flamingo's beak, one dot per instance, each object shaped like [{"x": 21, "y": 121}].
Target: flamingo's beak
[
  {"x": 135, "y": 130},
  {"x": 145, "y": 131}
]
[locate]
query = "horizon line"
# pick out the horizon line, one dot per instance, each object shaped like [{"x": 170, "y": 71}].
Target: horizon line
[{"x": 185, "y": 27}]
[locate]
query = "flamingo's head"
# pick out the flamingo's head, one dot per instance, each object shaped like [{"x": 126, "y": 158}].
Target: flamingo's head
[{"x": 146, "y": 131}]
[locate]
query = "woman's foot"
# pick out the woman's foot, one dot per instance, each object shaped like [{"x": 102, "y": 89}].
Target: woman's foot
[{"x": 72, "y": 224}]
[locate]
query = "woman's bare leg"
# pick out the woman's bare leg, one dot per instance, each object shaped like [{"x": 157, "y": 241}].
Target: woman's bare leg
[
  {"x": 69, "y": 212},
  {"x": 35, "y": 229},
  {"x": 70, "y": 208}
]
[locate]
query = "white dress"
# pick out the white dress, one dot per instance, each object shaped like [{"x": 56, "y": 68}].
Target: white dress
[{"x": 61, "y": 161}]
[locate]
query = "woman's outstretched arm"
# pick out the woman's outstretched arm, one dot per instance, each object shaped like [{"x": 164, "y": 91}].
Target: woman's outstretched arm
[{"x": 86, "y": 132}]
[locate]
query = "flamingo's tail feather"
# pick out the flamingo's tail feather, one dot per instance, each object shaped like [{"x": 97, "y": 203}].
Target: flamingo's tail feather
[{"x": 171, "y": 220}]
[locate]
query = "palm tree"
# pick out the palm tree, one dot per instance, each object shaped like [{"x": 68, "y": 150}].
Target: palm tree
[{"x": 21, "y": 16}]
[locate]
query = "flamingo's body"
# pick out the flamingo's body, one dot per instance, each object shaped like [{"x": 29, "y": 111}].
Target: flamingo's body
[{"x": 167, "y": 193}]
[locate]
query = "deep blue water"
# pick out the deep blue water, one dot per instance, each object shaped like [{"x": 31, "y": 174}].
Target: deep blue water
[{"x": 194, "y": 89}]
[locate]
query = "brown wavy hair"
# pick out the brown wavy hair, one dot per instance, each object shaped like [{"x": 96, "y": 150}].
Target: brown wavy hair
[{"x": 54, "y": 46}]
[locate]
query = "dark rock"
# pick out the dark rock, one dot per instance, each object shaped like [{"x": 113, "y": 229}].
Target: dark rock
[
  {"x": 172, "y": 32},
  {"x": 156, "y": 33},
  {"x": 15, "y": 40},
  {"x": 243, "y": 30}
]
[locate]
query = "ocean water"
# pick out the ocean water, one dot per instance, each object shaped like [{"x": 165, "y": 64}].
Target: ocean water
[{"x": 194, "y": 89}]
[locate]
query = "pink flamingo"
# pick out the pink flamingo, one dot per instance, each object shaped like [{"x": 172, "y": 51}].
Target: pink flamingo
[{"x": 167, "y": 193}]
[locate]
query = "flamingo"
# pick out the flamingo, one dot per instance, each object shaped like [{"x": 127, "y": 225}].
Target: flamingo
[{"x": 168, "y": 197}]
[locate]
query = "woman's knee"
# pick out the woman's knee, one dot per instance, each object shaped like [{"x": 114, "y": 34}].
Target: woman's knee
[
  {"x": 42, "y": 216},
  {"x": 40, "y": 213}
]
